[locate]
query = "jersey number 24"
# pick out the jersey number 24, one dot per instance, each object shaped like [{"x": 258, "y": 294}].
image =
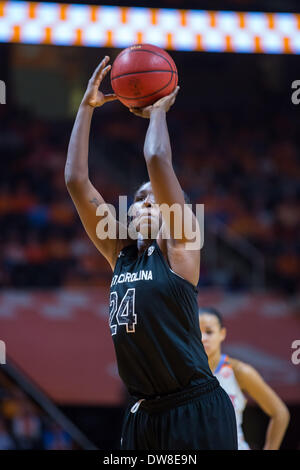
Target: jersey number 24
[{"x": 124, "y": 315}]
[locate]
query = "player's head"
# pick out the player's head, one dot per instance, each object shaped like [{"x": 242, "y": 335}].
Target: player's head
[
  {"x": 145, "y": 211},
  {"x": 212, "y": 329}
]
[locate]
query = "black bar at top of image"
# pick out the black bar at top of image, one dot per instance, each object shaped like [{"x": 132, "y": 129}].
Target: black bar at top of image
[{"x": 289, "y": 6}]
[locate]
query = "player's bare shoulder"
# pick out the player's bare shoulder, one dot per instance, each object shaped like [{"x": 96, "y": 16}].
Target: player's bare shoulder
[
  {"x": 241, "y": 370},
  {"x": 184, "y": 262}
]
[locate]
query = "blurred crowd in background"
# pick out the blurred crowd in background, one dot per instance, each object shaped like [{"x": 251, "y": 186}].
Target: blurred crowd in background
[
  {"x": 246, "y": 172},
  {"x": 24, "y": 426}
]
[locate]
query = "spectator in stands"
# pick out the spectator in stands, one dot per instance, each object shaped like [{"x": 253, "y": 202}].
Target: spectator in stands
[
  {"x": 250, "y": 185},
  {"x": 55, "y": 438},
  {"x": 27, "y": 428},
  {"x": 6, "y": 441}
]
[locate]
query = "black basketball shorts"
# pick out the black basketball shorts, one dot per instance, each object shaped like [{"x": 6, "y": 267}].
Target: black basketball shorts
[{"x": 198, "y": 418}]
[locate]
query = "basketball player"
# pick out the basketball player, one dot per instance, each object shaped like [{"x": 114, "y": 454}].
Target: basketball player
[
  {"x": 235, "y": 376},
  {"x": 176, "y": 402}
]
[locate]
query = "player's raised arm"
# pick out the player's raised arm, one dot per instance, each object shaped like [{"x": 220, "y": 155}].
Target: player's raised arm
[
  {"x": 85, "y": 197},
  {"x": 165, "y": 185}
]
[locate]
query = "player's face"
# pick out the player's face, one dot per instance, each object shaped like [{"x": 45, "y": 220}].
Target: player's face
[
  {"x": 146, "y": 214},
  {"x": 212, "y": 333}
]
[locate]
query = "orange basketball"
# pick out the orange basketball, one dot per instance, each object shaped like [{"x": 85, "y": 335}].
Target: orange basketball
[{"x": 142, "y": 74}]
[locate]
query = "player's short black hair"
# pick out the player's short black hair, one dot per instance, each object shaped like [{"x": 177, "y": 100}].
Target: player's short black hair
[
  {"x": 187, "y": 200},
  {"x": 212, "y": 311}
]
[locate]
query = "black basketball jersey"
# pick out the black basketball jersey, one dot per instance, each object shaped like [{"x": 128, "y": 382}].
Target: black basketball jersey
[{"x": 154, "y": 325}]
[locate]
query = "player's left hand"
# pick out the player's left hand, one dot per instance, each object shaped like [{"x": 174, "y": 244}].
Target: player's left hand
[{"x": 164, "y": 103}]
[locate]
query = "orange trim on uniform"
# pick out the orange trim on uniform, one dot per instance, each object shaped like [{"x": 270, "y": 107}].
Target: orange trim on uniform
[
  {"x": 298, "y": 20},
  {"x": 226, "y": 363}
]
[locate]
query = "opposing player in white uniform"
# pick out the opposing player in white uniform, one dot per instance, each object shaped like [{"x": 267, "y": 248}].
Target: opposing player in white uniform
[
  {"x": 225, "y": 375},
  {"x": 236, "y": 376}
]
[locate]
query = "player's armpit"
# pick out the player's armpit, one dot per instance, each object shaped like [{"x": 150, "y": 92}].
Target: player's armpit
[{"x": 184, "y": 263}]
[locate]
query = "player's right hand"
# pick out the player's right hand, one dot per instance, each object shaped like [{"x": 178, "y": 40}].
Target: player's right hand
[
  {"x": 93, "y": 96},
  {"x": 164, "y": 103}
]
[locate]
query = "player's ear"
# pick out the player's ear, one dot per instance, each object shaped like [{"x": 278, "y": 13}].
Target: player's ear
[{"x": 223, "y": 333}]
